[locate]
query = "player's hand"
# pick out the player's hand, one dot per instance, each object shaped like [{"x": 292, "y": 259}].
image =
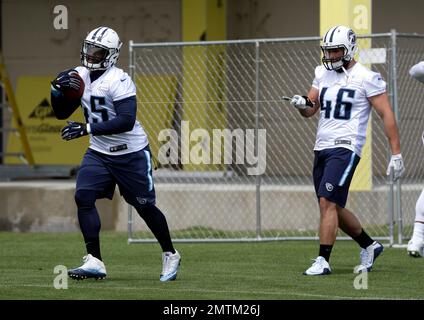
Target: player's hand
[
  {"x": 301, "y": 102},
  {"x": 65, "y": 80},
  {"x": 74, "y": 130},
  {"x": 396, "y": 162}
]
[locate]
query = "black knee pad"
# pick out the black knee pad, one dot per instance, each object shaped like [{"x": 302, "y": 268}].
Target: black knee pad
[{"x": 85, "y": 198}]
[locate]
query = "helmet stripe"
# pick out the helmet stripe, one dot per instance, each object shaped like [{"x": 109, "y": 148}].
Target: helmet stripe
[
  {"x": 332, "y": 33},
  {"x": 94, "y": 35},
  {"x": 325, "y": 37},
  {"x": 102, "y": 34}
]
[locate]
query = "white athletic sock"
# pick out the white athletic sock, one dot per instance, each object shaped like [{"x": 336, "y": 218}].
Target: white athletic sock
[
  {"x": 418, "y": 234},
  {"x": 419, "y": 208}
]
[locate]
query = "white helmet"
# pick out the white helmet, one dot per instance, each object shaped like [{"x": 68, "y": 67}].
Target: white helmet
[
  {"x": 100, "y": 49},
  {"x": 335, "y": 38}
]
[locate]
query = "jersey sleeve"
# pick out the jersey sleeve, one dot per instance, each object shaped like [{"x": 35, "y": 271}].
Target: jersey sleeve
[
  {"x": 319, "y": 72},
  {"x": 374, "y": 85},
  {"x": 417, "y": 71},
  {"x": 62, "y": 108},
  {"x": 123, "y": 87}
]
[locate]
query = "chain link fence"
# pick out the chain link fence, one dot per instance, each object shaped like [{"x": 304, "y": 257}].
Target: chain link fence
[
  {"x": 234, "y": 162},
  {"x": 410, "y": 100}
]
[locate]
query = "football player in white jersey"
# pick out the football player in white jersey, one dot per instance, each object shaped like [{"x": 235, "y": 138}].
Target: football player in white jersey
[
  {"x": 343, "y": 92},
  {"x": 416, "y": 244},
  {"x": 119, "y": 151}
]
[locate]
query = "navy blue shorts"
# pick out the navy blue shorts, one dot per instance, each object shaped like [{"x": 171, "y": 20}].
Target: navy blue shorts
[
  {"x": 333, "y": 172},
  {"x": 132, "y": 172}
]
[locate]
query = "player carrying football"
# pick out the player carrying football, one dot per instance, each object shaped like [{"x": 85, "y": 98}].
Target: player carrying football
[
  {"x": 118, "y": 153},
  {"x": 343, "y": 91}
]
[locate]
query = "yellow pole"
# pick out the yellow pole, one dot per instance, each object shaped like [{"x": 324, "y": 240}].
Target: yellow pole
[{"x": 16, "y": 114}]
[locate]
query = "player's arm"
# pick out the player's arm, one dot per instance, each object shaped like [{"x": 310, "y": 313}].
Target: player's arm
[
  {"x": 417, "y": 71},
  {"x": 126, "y": 111},
  {"x": 63, "y": 108},
  {"x": 383, "y": 107},
  {"x": 307, "y": 105}
]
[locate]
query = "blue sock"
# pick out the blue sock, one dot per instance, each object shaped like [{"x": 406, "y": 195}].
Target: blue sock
[{"x": 89, "y": 221}]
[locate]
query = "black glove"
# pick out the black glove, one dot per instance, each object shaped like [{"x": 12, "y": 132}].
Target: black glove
[
  {"x": 65, "y": 80},
  {"x": 74, "y": 130}
]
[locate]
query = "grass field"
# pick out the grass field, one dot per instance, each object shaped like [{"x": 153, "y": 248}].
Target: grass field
[{"x": 247, "y": 271}]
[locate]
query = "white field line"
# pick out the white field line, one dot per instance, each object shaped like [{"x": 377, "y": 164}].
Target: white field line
[{"x": 168, "y": 289}]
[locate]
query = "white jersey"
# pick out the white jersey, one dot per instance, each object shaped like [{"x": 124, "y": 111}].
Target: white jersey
[
  {"x": 345, "y": 107},
  {"x": 97, "y": 104}
]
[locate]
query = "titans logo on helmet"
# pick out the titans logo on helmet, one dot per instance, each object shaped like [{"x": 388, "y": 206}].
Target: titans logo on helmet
[{"x": 352, "y": 37}]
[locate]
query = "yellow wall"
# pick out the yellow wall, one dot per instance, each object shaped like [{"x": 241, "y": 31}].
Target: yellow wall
[
  {"x": 204, "y": 73},
  {"x": 43, "y": 129}
]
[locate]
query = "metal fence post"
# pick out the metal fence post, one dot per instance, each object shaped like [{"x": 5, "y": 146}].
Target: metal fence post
[
  {"x": 130, "y": 224},
  {"x": 391, "y": 206},
  {"x": 393, "y": 35},
  {"x": 257, "y": 115},
  {"x": 131, "y": 68}
]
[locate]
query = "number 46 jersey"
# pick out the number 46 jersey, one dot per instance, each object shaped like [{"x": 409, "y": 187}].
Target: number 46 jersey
[
  {"x": 97, "y": 103},
  {"x": 345, "y": 107}
]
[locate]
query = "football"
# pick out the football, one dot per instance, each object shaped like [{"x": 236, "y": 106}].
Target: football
[{"x": 72, "y": 95}]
